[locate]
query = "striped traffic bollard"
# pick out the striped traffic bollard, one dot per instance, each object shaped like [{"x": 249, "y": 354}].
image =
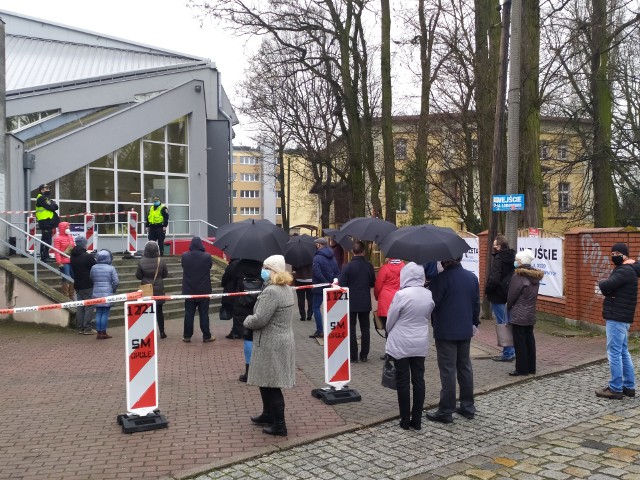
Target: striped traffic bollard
[
  {"x": 142, "y": 369},
  {"x": 337, "y": 365},
  {"x": 31, "y": 229},
  {"x": 132, "y": 237},
  {"x": 89, "y": 231}
]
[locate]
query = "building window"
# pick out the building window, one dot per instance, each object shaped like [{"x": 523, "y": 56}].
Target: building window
[
  {"x": 249, "y": 210},
  {"x": 248, "y": 160},
  {"x": 400, "y": 149},
  {"x": 234, "y": 211},
  {"x": 249, "y": 193},
  {"x": 235, "y": 177},
  {"x": 250, "y": 177},
  {"x": 278, "y": 210},
  {"x": 234, "y": 194},
  {"x": 22, "y": 121},
  {"x": 116, "y": 182},
  {"x": 563, "y": 197},
  {"x": 545, "y": 194},
  {"x": 563, "y": 151},
  {"x": 544, "y": 150},
  {"x": 401, "y": 197}
]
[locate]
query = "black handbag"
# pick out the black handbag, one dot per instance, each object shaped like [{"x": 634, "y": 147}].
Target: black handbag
[
  {"x": 389, "y": 375},
  {"x": 226, "y": 311}
]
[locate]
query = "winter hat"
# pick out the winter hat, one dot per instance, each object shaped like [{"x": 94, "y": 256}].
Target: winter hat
[
  {"x": 81, "y": 242},
  {"x": 525, "y": 257},
  {"x": 620, "y": 247},
  {"x": 321, "y": 241},
  {"x": 275, "y": 263}
]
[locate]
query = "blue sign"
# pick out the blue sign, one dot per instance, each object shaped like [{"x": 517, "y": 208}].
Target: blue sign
[{"x": 507, "y": 203}]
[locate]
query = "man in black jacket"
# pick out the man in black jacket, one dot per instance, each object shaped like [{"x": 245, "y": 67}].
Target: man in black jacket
[
  {"x": 47, "y": 218},
  {"x": 196, "y": 280},
  {"x": 360, "y": 277},
  {"x": 621, "y": 296},
  {"x": 497, "y": 286},
  {"x": 81, "y": 262}
]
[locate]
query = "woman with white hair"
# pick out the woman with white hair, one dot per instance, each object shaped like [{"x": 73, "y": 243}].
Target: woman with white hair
[
  {"x": 521, "y": 305},
  {"x": 273, "y": 363}
]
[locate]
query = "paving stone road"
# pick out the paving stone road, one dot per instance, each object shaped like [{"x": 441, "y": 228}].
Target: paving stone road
[{"x": 547, "y": 427}]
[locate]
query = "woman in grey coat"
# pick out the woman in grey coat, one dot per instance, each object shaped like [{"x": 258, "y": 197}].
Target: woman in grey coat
[
  {"x": 152, "y": 269},
  {"x": 408, "y": 340},
  {"x": 273, "y": 364}
]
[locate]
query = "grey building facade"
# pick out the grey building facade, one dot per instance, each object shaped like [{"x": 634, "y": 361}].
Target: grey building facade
[{"x": 109, "y": 123}]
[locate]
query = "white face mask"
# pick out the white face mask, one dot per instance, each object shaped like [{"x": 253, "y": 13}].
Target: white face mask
[
  {"x": 439, "y": 267},
  {"x": 67, "y": 231}
]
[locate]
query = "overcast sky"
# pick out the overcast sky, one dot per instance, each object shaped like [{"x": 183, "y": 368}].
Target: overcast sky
[{"x": 167, "y": 24}]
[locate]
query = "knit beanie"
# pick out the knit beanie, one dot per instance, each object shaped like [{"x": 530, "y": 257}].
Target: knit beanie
[
  {"x": 81, "y": 242},
  {"x": 275, "y": 263},
  {"x": 620, "y": 247},
  {"x": 525, "y": 257}
]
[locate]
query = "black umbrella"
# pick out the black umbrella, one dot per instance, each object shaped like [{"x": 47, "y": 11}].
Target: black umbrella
[
  {"x": 300, "y": 250},
  {"x": 251, "y": 239},
  {"x": 341, "y": 238},
  {"x": 367, "y": 228},
  {"x": 424, "y": 243}
]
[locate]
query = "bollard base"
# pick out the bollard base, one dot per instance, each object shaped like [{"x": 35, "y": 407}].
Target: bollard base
[
  {"x": 136, "y": 423},
  {"x": 332, "y": 396}
]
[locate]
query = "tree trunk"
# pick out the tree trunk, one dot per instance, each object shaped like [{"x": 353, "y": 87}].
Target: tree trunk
[
  {"x": 386, "y": 121},
  {"x": 530, "y": 172},
  {"x": 486, "y": 68},
  {"x": 605, "y": 201}
]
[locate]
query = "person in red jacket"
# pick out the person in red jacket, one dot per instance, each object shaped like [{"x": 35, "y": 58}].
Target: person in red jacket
[
  {"x": 387, "y": 284},
  {"x": 64, "y": 242}
]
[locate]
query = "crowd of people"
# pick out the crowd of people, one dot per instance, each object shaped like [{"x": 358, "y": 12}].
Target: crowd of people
[{"x": 411, "y": 299}]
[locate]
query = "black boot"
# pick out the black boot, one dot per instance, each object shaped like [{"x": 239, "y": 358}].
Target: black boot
[
  {"x": 279, "y": 428},
  {"x": 266, "y": 417},
  {"x": 243, "y": 377}
]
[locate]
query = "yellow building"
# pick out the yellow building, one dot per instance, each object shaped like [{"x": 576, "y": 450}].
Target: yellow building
[{"x": 452, "y": 165}]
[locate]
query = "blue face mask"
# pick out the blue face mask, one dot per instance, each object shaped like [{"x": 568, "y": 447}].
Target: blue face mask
[
  {"x": 266, "y": 276},
  {"x": 156, "y": 203},
  {"x": 516, "y": 264}
]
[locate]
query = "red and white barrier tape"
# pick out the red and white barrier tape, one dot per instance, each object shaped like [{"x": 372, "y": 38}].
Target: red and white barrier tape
[{"x": 125, "y": 297}]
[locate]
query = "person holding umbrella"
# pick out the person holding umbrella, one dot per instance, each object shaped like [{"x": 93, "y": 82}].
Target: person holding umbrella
[
  {"x": 299, "y": 252},
  {"x": 324, "y": 269}
]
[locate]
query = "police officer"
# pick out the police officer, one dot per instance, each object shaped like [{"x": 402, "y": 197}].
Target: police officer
[
  {"x": 157, "y": 221},
  {"x": 47, "y": 220}
]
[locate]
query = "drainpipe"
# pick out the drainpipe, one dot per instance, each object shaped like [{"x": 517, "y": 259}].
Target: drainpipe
[{"x": 230, "y": 167}]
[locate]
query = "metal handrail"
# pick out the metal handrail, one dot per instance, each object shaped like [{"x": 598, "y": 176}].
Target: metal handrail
[{"x": 24, "y": 253}]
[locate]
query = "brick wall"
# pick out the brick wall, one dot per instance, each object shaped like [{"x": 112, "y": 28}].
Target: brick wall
[{"x": 586, "y": 261}]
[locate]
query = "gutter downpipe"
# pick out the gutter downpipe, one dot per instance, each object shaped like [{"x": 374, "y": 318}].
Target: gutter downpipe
[{"x": 230, "y": 162}]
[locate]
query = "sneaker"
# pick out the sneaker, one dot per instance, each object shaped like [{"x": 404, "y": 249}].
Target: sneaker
[
  {"x": 89, "y": 331},
  {"x": 628, "y": 392},
  {"x": 81, "y": 331},
  {"x": 208, "y": 340},
  {"x": 186, "y": 339},
  {"x": 503, "y": 359},
  {"x": 317, "y": 335},
  {"x": 606, "y": 392}
]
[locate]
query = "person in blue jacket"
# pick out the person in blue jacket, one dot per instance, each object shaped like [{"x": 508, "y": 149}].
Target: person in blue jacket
[
  {"x": 105, "y": 283},
  {"x": 324, "y": 270},
  {"x": 456, "y": 315}
]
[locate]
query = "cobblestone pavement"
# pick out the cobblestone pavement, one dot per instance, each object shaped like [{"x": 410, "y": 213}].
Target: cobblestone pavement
[{"x": 546, "y": 427}]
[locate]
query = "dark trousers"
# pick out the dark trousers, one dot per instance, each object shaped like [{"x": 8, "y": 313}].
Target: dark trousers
[
  {"x": 157, "y": 234},
  {"x": 365, "y": 334},
  {"x": 410, "y": 370},
  {"x": 525, "y": 345},
  {"x": 238, "y": 325},
  {"x": 273, "y": 403},
  {"x": 305, "y": 294},
  {"x": 454, "y": 360},
  {"x": 190, "y": 306},
  {"x": 160, "y": 315},
  {"x": 46, "y": 237}
]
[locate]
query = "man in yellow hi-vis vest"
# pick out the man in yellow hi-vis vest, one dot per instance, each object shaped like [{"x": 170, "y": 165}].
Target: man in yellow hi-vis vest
[
  {"x": 157, "y": 221},
  {"x": 47, "y": 220}
]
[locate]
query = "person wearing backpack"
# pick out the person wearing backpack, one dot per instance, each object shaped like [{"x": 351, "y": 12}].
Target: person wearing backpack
[{"x": 497, "y": 287}]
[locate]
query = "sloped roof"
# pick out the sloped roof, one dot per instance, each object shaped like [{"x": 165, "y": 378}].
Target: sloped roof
[{"x": 40, "y": 53}]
